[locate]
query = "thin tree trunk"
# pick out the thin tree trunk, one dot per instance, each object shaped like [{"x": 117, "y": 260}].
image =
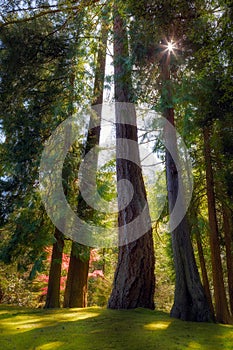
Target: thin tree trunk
[
  {"x": 77, "y": 278},
  {"x": 190, "y": 302},
  {"x": 134, "y": 281},
  {"x": 221, "y": 306},
  {"x": 53, "y": 293}
]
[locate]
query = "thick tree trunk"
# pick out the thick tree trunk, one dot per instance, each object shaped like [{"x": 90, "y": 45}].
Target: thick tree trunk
[
  {"x": 76, "y": 284},
  {"x": 205, "y": 278},
  {"x": 221, "y": 306},
  {"x": 134, "y": 280},
  {"x": 77, "y": 279},
  {"x": 53, "y": 293},
  {"x": 190, "y": 302},
  {"x": 228, "y": 232}
]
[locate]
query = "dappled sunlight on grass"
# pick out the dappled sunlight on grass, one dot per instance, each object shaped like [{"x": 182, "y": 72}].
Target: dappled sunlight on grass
[
  {"x": 4, "y": 312},
  {"x": 18, "y": 323},
  {"x": 194, "y": 345},
  {"x": 75, "y": 316},
  {"x": 52, "y": 345},
  {"x": 156, "y": 326},
  {"x": 222, "y": 336},
  {"x": 97, "y": 328}
]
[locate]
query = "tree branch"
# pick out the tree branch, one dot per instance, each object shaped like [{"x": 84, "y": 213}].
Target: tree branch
[{"x": 46, "y": 12}]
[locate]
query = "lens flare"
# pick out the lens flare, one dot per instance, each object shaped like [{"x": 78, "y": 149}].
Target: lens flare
[{"x": 170, "y": 46}]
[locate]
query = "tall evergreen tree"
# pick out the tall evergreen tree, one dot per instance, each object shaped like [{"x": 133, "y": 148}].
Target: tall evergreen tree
[
  {"x": 171, "y": 22},
  {"x": 134, "y": 281}
]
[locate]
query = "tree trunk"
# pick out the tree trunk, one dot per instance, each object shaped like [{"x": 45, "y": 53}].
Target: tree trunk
[
  {"x": 227, "y": 228},
  {"x": 227, "y": 225},
  {"x": 134, "y": 281},
  {"x": 76, "y": 284},
  {"x": 190, "y": 302},
  {"x": 77, "y": 279},
  {"x": 205, "y": 278},
  {"x": 53, "y": 293},
  {"x": 221, "y": 307}
]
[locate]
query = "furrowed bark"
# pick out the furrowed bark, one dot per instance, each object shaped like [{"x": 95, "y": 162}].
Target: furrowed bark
[
  {"x": 134, "y": 281},
  {"x": 190, "y": 302}
]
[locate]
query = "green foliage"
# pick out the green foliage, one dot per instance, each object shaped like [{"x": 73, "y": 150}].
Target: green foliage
[
  {"x": 82, "y": 252},
  {"x": 27, "y": 224},
  {"x": 99, "y": 290},
  {"x": 101, "y": 277},
  {"x": 36, "y": 96},
  {"x": 15, "y": 288},
  {"x": 164, "y": 270}
]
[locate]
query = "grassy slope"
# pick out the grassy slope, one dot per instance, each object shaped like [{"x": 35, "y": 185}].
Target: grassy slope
[{"x": 95, "y": 329}]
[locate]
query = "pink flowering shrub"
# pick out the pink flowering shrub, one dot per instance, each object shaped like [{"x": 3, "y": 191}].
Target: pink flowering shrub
[{"x": 44, "y": 278}]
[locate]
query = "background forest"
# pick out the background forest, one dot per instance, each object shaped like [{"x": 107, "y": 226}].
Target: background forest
[{"x": 173, "y": 57}]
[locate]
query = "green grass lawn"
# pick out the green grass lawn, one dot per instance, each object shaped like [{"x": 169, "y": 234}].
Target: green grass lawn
[{"x": 96, "y": 328}]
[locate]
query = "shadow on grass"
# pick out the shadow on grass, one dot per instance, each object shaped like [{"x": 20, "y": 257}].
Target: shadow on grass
[{"x": 95, "y": 329}]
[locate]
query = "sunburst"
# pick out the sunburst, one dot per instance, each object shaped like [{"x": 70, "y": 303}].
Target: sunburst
[{"x": 169, "y": 47}]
